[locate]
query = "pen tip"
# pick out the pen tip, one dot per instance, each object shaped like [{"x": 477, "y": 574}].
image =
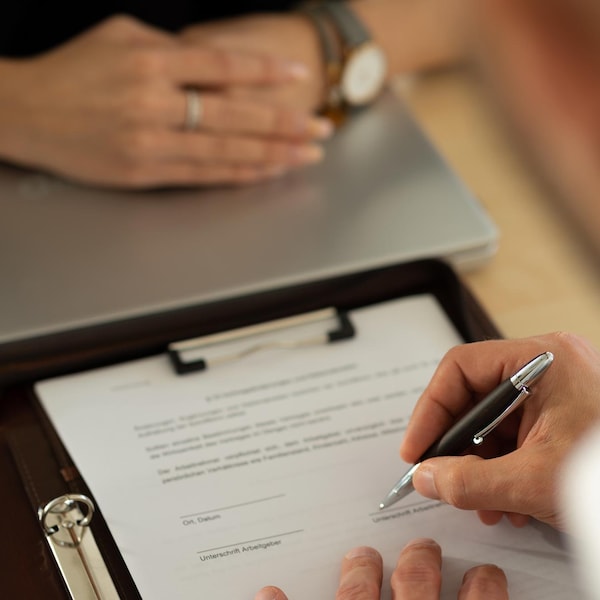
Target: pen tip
[{"x": 381, "y": 505}]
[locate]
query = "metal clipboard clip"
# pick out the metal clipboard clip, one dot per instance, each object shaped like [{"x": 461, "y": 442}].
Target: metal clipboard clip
[
  {"x": 65, "y": 521},
  {"x": 314, "y": 328}
]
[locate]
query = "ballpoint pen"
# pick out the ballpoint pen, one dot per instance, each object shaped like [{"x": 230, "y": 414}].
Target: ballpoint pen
[{"x": 477, "y": 423}]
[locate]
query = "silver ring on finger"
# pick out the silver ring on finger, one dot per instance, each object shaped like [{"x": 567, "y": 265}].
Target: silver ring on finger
[{"x": 193, "y": 110}]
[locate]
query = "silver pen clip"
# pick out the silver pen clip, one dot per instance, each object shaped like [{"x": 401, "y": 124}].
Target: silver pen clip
[
  {"x": 520, "y": 380},
  {"x": 480, "y": 436}
]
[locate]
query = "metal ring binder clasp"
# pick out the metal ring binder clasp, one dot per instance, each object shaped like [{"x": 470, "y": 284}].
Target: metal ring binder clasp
[{"x": 64, "y": 514}]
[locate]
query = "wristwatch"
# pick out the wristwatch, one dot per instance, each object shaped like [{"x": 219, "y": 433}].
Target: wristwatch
[{"x": 364, "y": 64}]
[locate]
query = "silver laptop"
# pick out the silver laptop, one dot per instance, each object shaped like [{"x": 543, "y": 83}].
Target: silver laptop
[{"x": 72, "y": 256}]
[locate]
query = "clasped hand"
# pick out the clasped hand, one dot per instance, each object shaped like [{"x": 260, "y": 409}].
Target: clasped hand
[{"x": 108, "y": 108}]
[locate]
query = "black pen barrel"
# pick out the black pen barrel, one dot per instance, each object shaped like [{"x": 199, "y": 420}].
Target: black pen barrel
[{"x": 460, "y": 436}]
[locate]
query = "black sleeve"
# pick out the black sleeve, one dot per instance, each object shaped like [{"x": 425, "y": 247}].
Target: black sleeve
[{"x": 30, "y": 27}]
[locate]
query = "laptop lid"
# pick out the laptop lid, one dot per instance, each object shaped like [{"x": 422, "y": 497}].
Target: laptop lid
[{"x": 72, "y": 256}]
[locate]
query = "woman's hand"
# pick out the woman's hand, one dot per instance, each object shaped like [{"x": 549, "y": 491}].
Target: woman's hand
[
  {"x": 289, "y": 36},
  {"x": 109, "y": 108},
  {"x": 529, "y": 447}
]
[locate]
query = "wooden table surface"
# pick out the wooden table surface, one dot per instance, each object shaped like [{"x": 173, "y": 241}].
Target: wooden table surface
[{"x": 545, "y": 276}]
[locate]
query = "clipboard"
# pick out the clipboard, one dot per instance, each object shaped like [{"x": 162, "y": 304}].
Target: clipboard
[{"x": 36, "y": 469}]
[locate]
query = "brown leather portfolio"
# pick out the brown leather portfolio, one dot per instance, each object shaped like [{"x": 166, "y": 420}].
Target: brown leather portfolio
[{"x": 35, "y": 468}]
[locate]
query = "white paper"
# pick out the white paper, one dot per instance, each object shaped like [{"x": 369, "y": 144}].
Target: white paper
[{"x": 267, "y": 470}]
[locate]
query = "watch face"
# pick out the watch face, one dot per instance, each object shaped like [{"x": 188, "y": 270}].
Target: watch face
[{"x": 364, "y": 74}]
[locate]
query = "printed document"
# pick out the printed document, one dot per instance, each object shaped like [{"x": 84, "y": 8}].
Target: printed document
[{"x": 267, "y": 470}]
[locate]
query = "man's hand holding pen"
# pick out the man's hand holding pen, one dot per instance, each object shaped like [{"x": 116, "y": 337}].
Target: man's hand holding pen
[
  {"x": 527, "y": 450},
  {"x": 525, "y": 453},
  {"x": 521, "y": 476},
  {"x": 473, "y": 427}
]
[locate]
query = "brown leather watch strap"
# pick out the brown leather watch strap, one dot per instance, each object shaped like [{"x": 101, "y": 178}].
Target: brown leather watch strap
[{"x": 331, "y": 50}]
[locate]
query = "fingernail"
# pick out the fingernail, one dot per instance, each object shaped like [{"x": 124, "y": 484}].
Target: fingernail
[
  {"x": 276, "y": 171},
  {"x": 296, "y": 70},
  {"x": 424, "y": 482},
  {"x": 361, "y": 551},
  {"x": 307, "y": 154},
  {"x": 321, "y": 128},
  {"x": 421, "y": 542},
  {"x": 488, "y": 571},
  {"x": 266, "y": 594}
]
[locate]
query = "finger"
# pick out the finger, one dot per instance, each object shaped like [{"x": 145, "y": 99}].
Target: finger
[
  {"x": 361, "y": 574},
  {"x": 517, "y": 519},
  {"x": 199, "y": 146},
  {"x": 210, "y": 66},
  {"x": 270, "y": 593},
  {"x": 417, "y": 575},
  {"x": 223, "y": 114},
  {"x": 519, "y": 482},
  {"x": 484, "y": 582},
  {"x": 493, "y": 517},
  {"x": 490, "y": 517},
  {"x": 151, "y": 175},
  {"x": 164, "y": 103},
  {"x": 129, "y": 30},
  {"x": 464, "y": 375}
]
